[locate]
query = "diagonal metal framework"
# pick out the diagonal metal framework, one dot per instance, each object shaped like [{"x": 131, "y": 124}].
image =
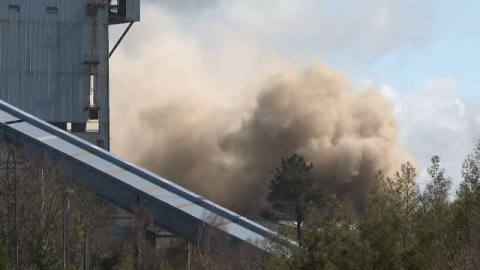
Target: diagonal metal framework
[{"x": 173, "y": 207}]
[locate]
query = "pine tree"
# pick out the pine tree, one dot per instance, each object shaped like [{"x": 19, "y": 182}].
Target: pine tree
[
  {"x": 465, "y": 241},
  {"x": 435, "y": 197},
  {"x": 332, "y": 240},
  {"x": 434, "y": 227},
  {"x": 3, "y": 255},
  {"x": 467, "y": 204},
  {"x": 380, "y": 225},
  {"x": 389, "y": 221},
  {"x": 292, "y": 189}
]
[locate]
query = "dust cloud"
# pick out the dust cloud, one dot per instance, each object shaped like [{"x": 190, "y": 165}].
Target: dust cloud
[{"x": 217, "y": 123}]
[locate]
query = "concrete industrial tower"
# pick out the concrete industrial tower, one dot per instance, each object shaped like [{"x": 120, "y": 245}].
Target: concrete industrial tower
[
  {"x": 54, "y": 61},
  {"x": 54, "y": 100}
]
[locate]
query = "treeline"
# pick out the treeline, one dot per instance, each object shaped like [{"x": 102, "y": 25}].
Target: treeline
[
  {"x": 47, "y": 222},
  {"x": 401, "y": 227}
]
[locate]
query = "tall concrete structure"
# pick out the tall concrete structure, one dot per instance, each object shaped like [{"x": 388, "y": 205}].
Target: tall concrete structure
[{"x": 54, "y": 61}]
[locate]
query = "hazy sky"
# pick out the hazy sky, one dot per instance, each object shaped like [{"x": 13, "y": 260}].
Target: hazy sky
[{"x": 424, "y": 55}]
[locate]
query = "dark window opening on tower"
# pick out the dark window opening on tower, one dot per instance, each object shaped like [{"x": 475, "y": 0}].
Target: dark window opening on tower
[
  {"x": 101, "y": 143},
  {"x": 62, "y": 125},
  {"x": 15, "y": 8},
  {"x": 78, "y": 127},
  {"x": 92, "y": 113},
  {"x": 118, "y": 7},
  {"x": 52, "y": 10}
]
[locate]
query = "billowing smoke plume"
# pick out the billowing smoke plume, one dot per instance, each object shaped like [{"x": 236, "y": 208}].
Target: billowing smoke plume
[
  {"x": 219, "y": 126},
  {"x": 348, "y": 136}
]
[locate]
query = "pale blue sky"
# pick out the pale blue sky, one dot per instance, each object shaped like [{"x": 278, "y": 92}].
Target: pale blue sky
[
  {"x": 420, "y": 39},
  {"x": 451, "y": 46},
  {"x": 454, "y": 50}
]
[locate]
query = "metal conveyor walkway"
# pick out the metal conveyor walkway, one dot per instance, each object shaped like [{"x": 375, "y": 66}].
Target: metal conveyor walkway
[{"x": 174, "y": 208}]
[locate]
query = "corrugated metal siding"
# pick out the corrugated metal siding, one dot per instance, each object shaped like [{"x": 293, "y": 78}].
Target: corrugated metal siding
[
  {"x": 42, "y": 58},
  {"x": 133, "y": 11}
]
